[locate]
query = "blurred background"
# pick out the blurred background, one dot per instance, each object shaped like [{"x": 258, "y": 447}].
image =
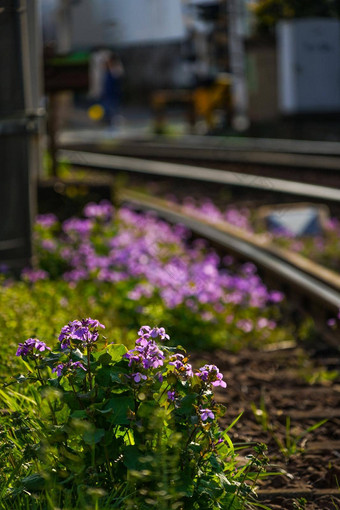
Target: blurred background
[
  {"x": 264, "y": 68},
  {"x": 83, "y": 71}
]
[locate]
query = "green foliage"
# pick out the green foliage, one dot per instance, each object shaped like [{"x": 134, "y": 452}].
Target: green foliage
[
  {"x": 269, "y": 12},
  {"x": 97, "y": 436},
  {"x": 292, "y": 442}
]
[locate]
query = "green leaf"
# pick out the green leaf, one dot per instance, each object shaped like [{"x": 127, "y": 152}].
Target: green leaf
[
  {"x": 93, "y": 436},
  {"x": 120, "y": 408},
  {"x": 147, "y": 409},
  {"x": 80, "y": 413},
  {"x": 131, "y": 456},
  {"x": 187, "y": 402},
  {"x": 33, "y": 482},
  {"x": 71, "y": 400},
  {"x": 108, "y": 374},
  {"x": 104, "y": 359},
  {"x": 116, "y": 351},
  {"x": 195, "y": 447}
]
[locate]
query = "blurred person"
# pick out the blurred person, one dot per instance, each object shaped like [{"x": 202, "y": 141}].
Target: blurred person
[
  {"x": 112, "y": 88},
  {"x": 98, "y": 59}
]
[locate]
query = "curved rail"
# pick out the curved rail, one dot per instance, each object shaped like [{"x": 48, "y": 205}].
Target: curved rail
[{"x": 320, "y": 296}]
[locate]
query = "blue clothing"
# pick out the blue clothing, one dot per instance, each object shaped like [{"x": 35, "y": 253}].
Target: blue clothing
[{"x": 111, "y": 96}]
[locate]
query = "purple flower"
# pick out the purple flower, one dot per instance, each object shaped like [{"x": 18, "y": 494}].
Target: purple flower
[
  {"x": 179, "y": 362},
  {"x": 171, "y": 395},
  {"x": 78, "y": 226},
  {"x": 144, "y": 331},
  {"x": 211, "y": 374},
  {"x": 49, "y": 245},
  {"x": 146, "y": 353},
  {"x": 159, "y": 376},
  {"x": 147, "y": 332},
  {"x": 70, "y": 365},
  {"x": 29, "y": 345},
  {"x": 276, "y": 296},
  {"x": 137, "y": 377},
  {"x": 34, "y": 275},
  {"x": 331, "y": 322},
  {"x": 46, "y": 220},
  {"x": 101, "y": 211},
  {"x": 4, "y": 268},
  {"x": 245, "y": 324},
  {"x": 84, "y": 331},
  {"x": 206, "y": 413},
  {"x": 159, "y": 332}
]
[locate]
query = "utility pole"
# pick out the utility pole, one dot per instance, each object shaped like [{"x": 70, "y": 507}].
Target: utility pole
[
  {"x": 20, "y": 127},
  {"x": 235, "y": 15}
]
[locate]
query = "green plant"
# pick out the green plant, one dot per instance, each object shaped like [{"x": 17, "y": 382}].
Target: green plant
[
  {"x": 290, "y": 444},
  {"x": 101, "y": 426},
  {"x": 300, "y": 504}
]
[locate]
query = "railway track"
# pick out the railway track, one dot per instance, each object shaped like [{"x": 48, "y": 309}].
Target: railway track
[
  {"x": 310, "y": 162},
  {"x": 311, "y": 287},
  {"x": 258, "y": 182}
]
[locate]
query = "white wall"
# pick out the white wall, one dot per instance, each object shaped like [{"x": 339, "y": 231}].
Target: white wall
[
  {"x": 309, "y": 65},
  {"x": 128, "y": 22}
]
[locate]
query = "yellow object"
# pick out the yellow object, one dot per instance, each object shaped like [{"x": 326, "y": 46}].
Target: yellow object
[
  {"x": 207, "y": 99},
  {"x": 96, "y": 112}
]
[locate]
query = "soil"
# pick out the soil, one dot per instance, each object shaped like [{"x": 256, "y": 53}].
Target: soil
[{"x": 269, "y": 388}]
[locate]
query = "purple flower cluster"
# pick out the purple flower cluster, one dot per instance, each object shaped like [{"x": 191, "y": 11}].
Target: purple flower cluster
[
  {"x": 85, "y": 331},
  {"x": 78, "y": 227},
  {"x": 239, "y": 218},
  {"x": 142, "y": 249},
  {"x": 211, "y": 374},
  {"x": 30, "y": 346},
  {"x": 70, "y": 365},
  {"x": 34, "y": 275},
  {"x": 46, "y": 220},
  {"x": 179, "y": 361},
  {"x": 147, "y": 354},
  {"x": 146, "y": 332}
]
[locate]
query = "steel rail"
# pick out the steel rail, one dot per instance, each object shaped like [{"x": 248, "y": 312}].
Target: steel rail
[
  {"x": 209, "y": 152},
  {"x": 230, "y": 143},
  {"x": 157, "y": 168}
]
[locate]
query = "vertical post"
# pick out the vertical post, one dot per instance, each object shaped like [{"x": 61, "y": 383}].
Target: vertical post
[
  {"x": 20, "y": 127},
  {"x": 64, "y": 27},
  {"x": 237, "y": 65}
]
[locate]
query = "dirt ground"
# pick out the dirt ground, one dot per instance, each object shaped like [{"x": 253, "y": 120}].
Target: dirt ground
[{"x": 282, "y": 393}]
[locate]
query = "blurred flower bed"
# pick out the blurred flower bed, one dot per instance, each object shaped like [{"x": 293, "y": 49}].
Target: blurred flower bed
[{"x": 128, "y": 268}]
